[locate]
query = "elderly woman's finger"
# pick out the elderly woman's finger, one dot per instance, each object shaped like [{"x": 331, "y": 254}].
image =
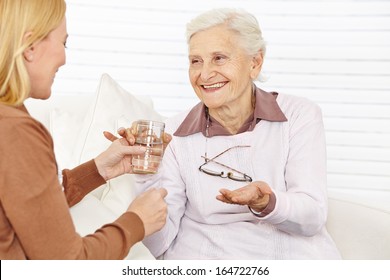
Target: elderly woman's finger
[
  {"x": 228, "y": 196},
  {"x": 241, "y": 196},
  {"x": 109, "y": 136},
  {"x": 127, "y": 134},
  {"x": 167, "y": 138},
  {"x": 133, "y": 128},
  {"x": 222, "y": 198}
]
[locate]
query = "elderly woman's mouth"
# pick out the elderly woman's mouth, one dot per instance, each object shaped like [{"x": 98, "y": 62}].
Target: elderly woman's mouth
[{"x": 214, "y": 86}]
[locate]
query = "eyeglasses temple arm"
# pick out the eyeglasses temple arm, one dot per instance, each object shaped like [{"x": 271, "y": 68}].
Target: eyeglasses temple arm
[{"x": 212, "y": 159}]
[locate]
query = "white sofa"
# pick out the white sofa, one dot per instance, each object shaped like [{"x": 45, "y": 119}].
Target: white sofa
[{"x": 76, "y": 123}]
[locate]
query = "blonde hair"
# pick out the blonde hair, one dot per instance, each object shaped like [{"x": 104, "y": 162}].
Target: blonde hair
[
  {"x": 17, "y": 17},
  {"x": 238, "y": 20}
]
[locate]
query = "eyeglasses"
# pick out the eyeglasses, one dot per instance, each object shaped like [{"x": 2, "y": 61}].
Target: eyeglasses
[{"x": 243, "y": 178}]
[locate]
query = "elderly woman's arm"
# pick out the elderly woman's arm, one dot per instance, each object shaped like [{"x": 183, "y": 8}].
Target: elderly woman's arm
[{"x": 302, "y": 208}]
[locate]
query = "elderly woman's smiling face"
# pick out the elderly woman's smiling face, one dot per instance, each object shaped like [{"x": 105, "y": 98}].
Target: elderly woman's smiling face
[{"x": 221, "y": 72}]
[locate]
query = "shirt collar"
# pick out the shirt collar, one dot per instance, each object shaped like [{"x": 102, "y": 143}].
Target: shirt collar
[{"x": 266, "y": 108}]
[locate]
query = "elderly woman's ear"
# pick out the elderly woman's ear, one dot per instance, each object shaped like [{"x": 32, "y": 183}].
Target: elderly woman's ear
[{"x": 257, "y": 63}]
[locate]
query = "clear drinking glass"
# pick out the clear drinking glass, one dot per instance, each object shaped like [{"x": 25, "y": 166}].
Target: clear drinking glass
[{"x": 148, "y": 134}]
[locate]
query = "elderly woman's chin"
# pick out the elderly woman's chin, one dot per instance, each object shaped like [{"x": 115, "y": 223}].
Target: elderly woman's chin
[{"x": 212, "y": 104}]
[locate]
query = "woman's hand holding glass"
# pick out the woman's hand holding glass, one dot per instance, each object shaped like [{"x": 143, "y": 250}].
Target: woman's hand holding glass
[
  {"x": 116, "y": 160},
  {"x": 129, "y": 135},
  {"x": 256, "y": 195},
  {"x": 128, "y": 139}
]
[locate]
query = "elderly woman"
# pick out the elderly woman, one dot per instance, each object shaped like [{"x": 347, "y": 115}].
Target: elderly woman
[{"x": 246, "y": 169}]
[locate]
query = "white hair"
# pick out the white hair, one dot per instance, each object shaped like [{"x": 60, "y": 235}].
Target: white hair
[{"x": 240, "y": 21}]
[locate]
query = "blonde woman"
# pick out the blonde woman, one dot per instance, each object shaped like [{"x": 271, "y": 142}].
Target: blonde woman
[{"x": 35, "y": 221}]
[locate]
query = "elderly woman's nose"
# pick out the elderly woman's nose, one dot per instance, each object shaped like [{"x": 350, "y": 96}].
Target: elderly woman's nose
[{"x": 207, "y": 71}]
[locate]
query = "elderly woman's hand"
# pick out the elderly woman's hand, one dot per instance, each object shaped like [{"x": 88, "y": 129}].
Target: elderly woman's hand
[{"x": 256, "y": 195}]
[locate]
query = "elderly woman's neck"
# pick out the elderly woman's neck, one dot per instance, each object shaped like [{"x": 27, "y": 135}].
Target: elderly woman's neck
[{"x": 233, "y": 117}]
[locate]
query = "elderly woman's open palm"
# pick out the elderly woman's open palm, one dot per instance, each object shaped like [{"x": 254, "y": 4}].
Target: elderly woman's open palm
[{"x": 255, "y": 195}]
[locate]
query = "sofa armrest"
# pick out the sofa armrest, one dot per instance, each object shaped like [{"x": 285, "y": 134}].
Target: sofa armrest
[{"x": 360, "y": 232}]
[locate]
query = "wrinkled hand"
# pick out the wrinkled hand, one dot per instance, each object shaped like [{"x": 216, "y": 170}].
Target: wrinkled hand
[
  {"x": 151, "y": 207},
  {"x": 116, "y": 160},
  {"x": 255, "y": 195}
]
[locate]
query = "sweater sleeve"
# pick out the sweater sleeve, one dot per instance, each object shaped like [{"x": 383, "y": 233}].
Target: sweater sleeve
[
  {"x": 80, "y": 181},
  {"x": 302, "y": 209}
]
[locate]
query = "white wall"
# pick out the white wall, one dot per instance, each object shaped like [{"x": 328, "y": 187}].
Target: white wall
[{"x": 333, "y": 52}]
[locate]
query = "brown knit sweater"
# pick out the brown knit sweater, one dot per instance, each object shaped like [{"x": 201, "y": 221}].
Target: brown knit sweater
[{"x": 35, "y": 221}]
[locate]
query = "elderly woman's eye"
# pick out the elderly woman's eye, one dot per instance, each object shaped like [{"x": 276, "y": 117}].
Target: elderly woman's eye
[
  {"x": 195, "y": 61},
  {"x": 220, "y": 59}
]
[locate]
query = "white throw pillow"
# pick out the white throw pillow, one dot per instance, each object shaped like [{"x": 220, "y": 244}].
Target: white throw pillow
[
  {"x": 79, "y": 138},
  {"x": 65, "y": 127},
  {"x": 113, "y": 107}
]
